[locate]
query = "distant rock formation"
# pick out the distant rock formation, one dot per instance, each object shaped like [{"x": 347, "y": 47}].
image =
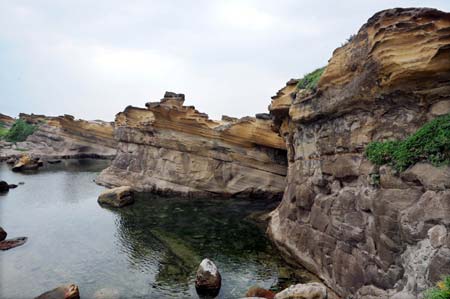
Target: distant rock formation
[
  {"x": 364, "y": 238},
  {"x": 63, "y": 137},
  {"x": 173, "y": 149}
]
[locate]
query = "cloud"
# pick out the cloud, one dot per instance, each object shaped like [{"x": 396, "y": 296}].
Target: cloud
[{"x": 93, "y": 58}]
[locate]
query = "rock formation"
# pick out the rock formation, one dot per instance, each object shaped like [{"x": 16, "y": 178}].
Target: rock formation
[
  {"x": 69, "y": 291},
  {"x": 368, "y": 239},
  {"x": 63, "y": 137},
  {"x": 173, "y": 149}
]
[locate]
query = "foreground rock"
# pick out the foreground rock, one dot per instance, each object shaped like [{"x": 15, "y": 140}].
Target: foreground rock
[
  {"x": 259, "y": 292},
  {"x": 173, "y": 149},
  {"x": 26, "y": 162},
  {"x": 4, "y": 187},
  {"x": 117, "y": 197},
  {"x": 313, "y": 290},
  {"x": 368, "y": 238},
  {"x": 3, "y": 234},
  {"x": 63, "y": 292},
  {"x": 12, "y": 243},
  {"x": 63, "y": 137},
  {"x": 208, "y": 280}
]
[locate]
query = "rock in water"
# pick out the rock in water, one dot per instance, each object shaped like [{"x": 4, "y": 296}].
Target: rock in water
[
  {"x": 4, "y": 186},
  {"x": 56, "y": 161},
  {"x": 3, "y": 234},
  {"x": 11, "y": 161},
  {"x": 313, "y": 290},
  {"x": 69, "y": 291},
  {"x": 208, "y": 280},
  {"x": 27, "y": 163},
  {"x": 12, "y": 243},
  {"x": 259, "y": 292},
  {"x": 12, "y": 186},
  {"x": 117, "y": 197}
]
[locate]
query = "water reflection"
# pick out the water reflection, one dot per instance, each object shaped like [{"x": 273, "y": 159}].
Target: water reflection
[{"x": 147, "y": 250}]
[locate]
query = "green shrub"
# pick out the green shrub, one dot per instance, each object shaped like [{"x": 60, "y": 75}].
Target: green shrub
[
  {"x": 309, "y": 81},
  {"x": 430, "y": 143},
  {"x": 3, "y": 132},
  {"x": 441, "y": 291},
  {"x": 19, "y": 131}
]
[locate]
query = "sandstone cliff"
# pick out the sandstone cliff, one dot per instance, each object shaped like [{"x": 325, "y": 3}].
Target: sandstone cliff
[
  {"x": 64, "y": 137},
  {"x": 173, "y": 149},
  {"x": 368, "y": 239}
]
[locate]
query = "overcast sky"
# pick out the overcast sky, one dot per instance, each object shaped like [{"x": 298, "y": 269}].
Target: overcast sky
[{"x": 91, "y": 59}]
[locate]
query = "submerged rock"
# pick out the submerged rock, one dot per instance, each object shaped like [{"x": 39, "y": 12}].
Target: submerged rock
[
  {"x": 54, "y": 161},
  {"x": 69, "y": 291},
  {"x": 117, "y": 197},
  {"x": 12, "y": 243},
  {"x": 208, "y": 280},
  {"x": 313, "y": 290},
  {"x": 3, "y": 234},
  {"x": 107, "y": 293},
  {"x": 4, "y": 186},
  {"x": 259, "y": 292}
]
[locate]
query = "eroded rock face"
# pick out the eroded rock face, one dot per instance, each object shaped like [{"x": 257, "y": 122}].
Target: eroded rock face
[
  {"x": 364, "y": 238},
  {"x": 64, "y": 137},
  {"x": 173, "y": 149}
]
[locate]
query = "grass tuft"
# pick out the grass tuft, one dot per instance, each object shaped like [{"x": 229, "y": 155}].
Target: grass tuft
[
  {"x": 441, "y": 291},
  {"x": 309, "y": 81}
]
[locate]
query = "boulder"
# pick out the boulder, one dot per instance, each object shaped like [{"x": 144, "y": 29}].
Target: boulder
[
  {"x": 117, "y": 197},
  {"x": 69, "y": 291},
  {"x": 3, "y": 234},
  {"x": 259, "y": 292},
  {"x": 26, "y": 162},
  {"x": 313, "y": 290},
  {"x": 208, "y": 280},
  {"x": 12, "y": 243},
  {"x": 4, "y": 186}
]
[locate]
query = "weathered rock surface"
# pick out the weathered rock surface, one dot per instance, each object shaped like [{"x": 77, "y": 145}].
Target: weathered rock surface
[
  {"x": 313, "y": 290},
  {"x": 173, "y": 149},
  {"x": 12, "y": 243},
  {"x": 63, "y": 137},
  {"x": 361, "y": 238},
  {"x": 117, "y": 197},
  {"x": 63, "y": 292},
  {"x": 208, "y": 280}
]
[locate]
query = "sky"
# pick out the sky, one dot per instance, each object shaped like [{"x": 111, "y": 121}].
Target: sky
[{"x": 91, "y": 59}]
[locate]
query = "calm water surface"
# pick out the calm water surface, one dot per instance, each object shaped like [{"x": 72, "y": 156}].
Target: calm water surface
[{"x": 148, "y": 250}]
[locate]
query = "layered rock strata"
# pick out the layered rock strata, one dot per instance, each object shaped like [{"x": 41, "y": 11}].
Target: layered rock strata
[
  {"x": 64, "y": 137},
  {"x": 367, "y": 231},
  {"x": 173, "y": 149}
]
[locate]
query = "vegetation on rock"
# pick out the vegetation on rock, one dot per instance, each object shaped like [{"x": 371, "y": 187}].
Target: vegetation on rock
[
  {"x": 441, "y": 291},
  {"x": 309, "y": 81},
  {"x": 3, "y": 131},
  {"x": 430, "y": 143},
  {"x": 19, "y": 131}
]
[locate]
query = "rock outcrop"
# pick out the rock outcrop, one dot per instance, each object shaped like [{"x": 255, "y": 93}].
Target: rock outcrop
[
  {"x": 173, "y": 149},
  {"x": 117, "y": 197},
  {"x": 368, "y": 232},
  {"x": 63, "y": 137}
]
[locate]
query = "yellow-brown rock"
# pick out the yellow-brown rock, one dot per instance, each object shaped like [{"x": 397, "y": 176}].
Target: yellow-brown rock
[
  {"x": 174, "y": 149},
  {"x": 366, "y": 231},
  {"x": 65, "y": 137}
]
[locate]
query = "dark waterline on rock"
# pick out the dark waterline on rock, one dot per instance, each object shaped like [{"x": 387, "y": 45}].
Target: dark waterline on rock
[{"x": 148, "y": 250}]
